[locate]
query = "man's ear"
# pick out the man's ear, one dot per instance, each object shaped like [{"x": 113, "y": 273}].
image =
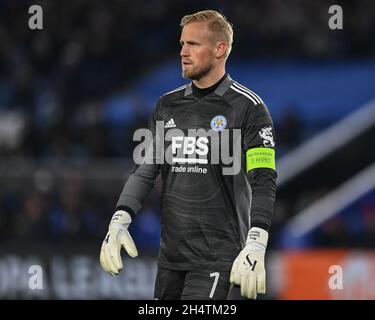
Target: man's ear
[{"x": 221, "y": 49}]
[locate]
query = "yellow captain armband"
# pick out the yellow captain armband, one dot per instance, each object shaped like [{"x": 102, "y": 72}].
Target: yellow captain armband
[{"x": 260, "y": 158}]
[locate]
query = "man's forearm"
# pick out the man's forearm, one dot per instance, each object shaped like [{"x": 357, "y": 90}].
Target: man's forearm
[
  {"x": 136, "y": 189},
  {"x": 263, "y": 185}
]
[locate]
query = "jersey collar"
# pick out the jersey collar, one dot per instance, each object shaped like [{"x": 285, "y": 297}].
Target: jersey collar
[{"x": 220, "y": 90}]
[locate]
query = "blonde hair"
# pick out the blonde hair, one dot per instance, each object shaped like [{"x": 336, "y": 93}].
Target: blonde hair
[{"x": 218, "y": 24}]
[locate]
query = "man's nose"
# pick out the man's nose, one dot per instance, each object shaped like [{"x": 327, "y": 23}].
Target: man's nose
[{"x": 184, "y": 52}]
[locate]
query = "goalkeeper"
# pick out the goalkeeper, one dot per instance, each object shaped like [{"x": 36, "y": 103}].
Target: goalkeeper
[{"x": 214, "y": 226}]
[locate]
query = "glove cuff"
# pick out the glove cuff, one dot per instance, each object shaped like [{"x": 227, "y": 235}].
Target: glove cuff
[
  {"x": 121, "y": 217},
  {"x": 257, "y": 236}
]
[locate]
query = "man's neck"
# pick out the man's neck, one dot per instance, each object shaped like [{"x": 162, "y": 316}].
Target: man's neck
[
  {"x": 202, "y": 92},
  {"x": 210, "y": 79}
]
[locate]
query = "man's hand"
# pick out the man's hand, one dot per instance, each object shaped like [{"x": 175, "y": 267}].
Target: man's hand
[
  {"x": 248, "y": 269},
  {"x": 117, "y": 236}
]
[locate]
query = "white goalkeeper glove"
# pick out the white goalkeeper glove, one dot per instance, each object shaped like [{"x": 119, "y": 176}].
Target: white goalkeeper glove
[
  {"x": 117, "y": 237},
  {"x": 248, "y": 269}
]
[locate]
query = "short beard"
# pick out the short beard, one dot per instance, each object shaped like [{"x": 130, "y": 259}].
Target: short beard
[{"x": 197, "y": 74}]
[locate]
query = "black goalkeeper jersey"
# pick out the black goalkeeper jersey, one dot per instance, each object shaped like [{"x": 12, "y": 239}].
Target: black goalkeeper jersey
[{"x": 205, "y": 214}]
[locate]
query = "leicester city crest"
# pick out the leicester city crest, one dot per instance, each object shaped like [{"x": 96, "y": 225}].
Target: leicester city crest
[{"x": 218, "y": 123}]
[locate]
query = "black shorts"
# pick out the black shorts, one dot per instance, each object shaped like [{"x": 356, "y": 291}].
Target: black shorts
[{"x": 192, "y": 285}]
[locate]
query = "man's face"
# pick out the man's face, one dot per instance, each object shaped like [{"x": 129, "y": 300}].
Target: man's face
[{"x": 197, "y": 51}]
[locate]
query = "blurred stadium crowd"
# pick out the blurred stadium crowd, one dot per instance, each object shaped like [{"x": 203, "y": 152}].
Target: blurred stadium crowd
[{"x": 54, "y": 85}]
